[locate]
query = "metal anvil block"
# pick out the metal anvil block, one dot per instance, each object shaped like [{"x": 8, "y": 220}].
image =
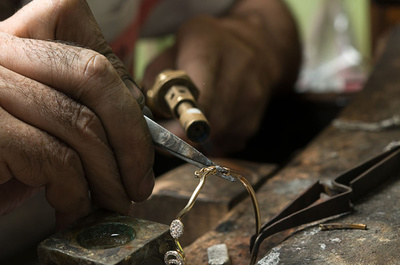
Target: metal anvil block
[{"x": 108, "y": 239}]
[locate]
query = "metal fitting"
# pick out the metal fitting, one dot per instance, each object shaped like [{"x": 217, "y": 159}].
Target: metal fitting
[{"x": 174, "y": 95}]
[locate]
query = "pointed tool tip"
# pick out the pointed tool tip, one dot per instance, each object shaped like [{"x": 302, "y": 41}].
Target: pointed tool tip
[{"x": 224, "y": 173}]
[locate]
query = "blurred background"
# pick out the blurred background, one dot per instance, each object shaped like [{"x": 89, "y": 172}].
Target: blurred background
[
  {"x": 341, "y": 41},
  {"x": 312, "y": 19},
  {"x": 328, "y": 28}
]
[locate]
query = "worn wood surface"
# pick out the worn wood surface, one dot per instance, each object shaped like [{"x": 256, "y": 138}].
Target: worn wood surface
[{"x": 331, "y": 153}]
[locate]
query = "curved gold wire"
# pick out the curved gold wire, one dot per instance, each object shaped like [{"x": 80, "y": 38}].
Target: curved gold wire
[
  {"x": 196, "y": 192},
  {"x": 202, "y": 174},
  {"x": 253, "y": 197}
]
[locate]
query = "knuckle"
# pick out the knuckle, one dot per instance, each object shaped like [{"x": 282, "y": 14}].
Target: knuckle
[
  {"x": 69, "y": 160},
  {"x": 34, "y": 157},
  {"x": 85, "y": 121},
  {"x": 71, "y": 115},
  {"x": 95, "y": 64}
]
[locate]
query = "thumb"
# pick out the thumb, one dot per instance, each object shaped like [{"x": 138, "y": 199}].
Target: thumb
[
  {"x": 68, "y": 21},
  {"x": 65, "y": 20}
]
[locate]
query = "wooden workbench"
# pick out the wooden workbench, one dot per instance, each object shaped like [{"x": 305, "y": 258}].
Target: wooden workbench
[{"x": 332, "y": 152}]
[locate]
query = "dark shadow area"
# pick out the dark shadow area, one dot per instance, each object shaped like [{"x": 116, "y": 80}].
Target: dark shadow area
[{"x": 290, "y": 123}]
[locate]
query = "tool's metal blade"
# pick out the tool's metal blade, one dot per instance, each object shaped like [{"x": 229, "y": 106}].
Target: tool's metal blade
[{"x": 179, "y": 148}]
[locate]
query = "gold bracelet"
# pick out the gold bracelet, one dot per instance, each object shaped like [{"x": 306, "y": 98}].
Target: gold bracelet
[{"x": 177, "y": 256}]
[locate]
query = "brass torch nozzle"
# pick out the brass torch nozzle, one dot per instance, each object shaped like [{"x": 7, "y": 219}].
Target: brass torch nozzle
[{"x": 174, "y": 94}]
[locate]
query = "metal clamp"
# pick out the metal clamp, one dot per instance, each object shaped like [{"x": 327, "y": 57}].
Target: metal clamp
[{"x": 346, "y": 189}]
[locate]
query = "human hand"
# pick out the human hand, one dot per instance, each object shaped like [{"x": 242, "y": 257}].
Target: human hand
[
  {"x": 69, "y": 122},
  {"x": 229, "y": 62}
]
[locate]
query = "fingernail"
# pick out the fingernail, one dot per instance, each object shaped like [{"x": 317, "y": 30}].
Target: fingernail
[
  {"x": 135, "y": 90},
  {"x": 147, "y": 112}
]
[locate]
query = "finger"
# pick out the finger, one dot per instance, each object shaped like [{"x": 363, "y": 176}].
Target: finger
[
  {"x": 89, "y": 78},
  {"x": 166, "y": 60},
  {"x": 71, "y": 20},
  {"x": 66, "y": 20},
  {"x": 37, "y": 159},
  {"x": 252, "y": 101},
  {"x": 72, "y": 123},
  {"x": 240, "y": 123},
  {"x": 218, "y": 67},
  {"x": 201, "y": 64},
  {"x": 244, "y": 121}
]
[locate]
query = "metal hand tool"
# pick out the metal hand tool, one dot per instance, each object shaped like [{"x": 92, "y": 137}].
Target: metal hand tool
[
  {"x": 345, "y": 190},
  {"x": 173, "y": 94},
  {"x": 179, "y": 148}
]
